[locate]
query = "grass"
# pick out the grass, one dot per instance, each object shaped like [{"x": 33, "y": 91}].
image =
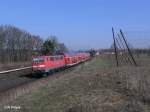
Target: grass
[
  {"x": 95, "y": 86},
  {"x": 102, "y": 62}
]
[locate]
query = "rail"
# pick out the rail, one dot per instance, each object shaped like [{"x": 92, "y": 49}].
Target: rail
[{"x": 13, "y": 70}]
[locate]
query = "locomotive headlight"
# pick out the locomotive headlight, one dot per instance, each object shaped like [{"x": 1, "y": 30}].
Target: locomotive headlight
[{"x": 41, "y": 66}]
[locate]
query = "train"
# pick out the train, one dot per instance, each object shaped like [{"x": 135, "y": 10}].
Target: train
[{"x": 46, "y": 64}]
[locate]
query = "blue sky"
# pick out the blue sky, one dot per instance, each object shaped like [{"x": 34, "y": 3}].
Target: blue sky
[{"x": 80, "y": 24}]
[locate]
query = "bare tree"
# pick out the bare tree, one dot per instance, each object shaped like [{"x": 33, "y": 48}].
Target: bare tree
[{"x": 17, "y": 45}]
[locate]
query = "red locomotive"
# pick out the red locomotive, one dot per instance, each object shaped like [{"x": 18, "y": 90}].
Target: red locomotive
[{"x": 46, "y": 64}]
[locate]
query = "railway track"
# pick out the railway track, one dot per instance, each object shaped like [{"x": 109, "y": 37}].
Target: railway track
[
  {"x": 18, "y": 84},
  {"x": 13, "y": 78},
  {"x": 16, "y": 77},
  {"x": 13, "y": 70}
]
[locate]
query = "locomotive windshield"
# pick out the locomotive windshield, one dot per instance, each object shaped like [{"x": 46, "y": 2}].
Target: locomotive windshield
[{"x": 38, "y": 59}]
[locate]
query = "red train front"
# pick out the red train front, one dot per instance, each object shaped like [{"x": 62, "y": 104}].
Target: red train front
[{"x": 45, "y": 64}]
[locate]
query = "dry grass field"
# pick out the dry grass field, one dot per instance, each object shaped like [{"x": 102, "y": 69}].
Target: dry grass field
[{"x": 94, "y": 86}]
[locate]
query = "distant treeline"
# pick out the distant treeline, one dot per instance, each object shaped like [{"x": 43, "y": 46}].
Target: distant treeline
[
  {"x": 142, "y": 51},
  {"x": 133, "y": 50},
  {"x": 17, "y": 45}
]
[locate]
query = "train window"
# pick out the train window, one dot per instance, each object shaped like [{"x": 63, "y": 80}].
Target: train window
[
  {"x": 57, "y": 57},
  {"x": 68, "y": 59},
  {"x": 52, "y": 58},
  {"x": 38, "y": 59},
  {"x": 61, "y": 57}
]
